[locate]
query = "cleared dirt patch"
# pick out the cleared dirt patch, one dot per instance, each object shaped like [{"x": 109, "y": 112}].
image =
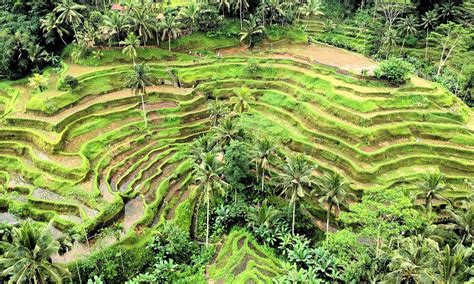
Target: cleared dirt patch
[{"x": 333, "y": 56}]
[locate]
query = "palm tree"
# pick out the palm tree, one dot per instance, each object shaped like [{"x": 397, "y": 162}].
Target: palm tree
[
  {"x": 432, "y": 186},
  {"x": 37, "y": 54},
  {"x": 463, "y": 221},
  {"x": 200, "y": 146},
  {"x": 142, "y": 23},
  {"x": 241, "y": 6},
  {"x": 428, "y": 22},
  {"x": 227, "y": 131},
  {"x": 413, "y": 260},
  {"x": 69, "y": 13},
  {"x": 138, "y": 80},
  {"x": 190, "y": 12},
  {"x": 217, "y": 110},
  {"x": 408, "y": 27},
  {"x": 449, "y": 10},
  {"x": 295, "y": 179},
  {"x": 451, "y": 265},
  {"x": 250, "y": 29},
  {"x": 117, "y": 23},
  {"x": 313, "y": 8},
  {"x": 209, "y": 182},
  {"x": 171, "y": 29},
  {"x": 130, "y": 46},
  {"x": 241, "y": 101},
  {"x": 262, "y": 215},
  {"x": 389, "y": 40},
  {"x": 333, "y": 190},
  {"x": 49, "y": 25},
  {"x": 264, "y": 152},
  {"x": 28, "y": 257},
  {"x": 223, "y": 4},
  {"x": 275, "y": 7}
]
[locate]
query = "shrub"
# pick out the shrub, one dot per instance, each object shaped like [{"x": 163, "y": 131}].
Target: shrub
[
  {"x": 395, "y": 70},
  {"x": 69, "y": 82}
]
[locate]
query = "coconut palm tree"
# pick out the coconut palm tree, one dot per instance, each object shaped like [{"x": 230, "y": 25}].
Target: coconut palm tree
[
  {"x": 217, "y": 110},
  {"x": 240, "y": 103},
  {"x": 432, "y": 186},
  {"x": 130, "y": 46},
  {"x": 210, "y": 183},
  {"x": 412, "y": 262},
  {"x": 70, "y": 14},
  {"x": 28, "y": 257},
  {"x": 200, "y": 146},
  {"x": 250, "y": 29},
  {"x": 428, "y": 22},
  {"x": 37, "y": 55},
  {"x": 449, "y": 11},
  {"x": 241, "y": 6},
  {"x": 408, "y": 27},
  {"x": 142, "y": 23},
  {"x": 333, "y": 190},
  {"x": 116, "y": 23},
  {"x": 463, "y": 221},
  {"x": 313, "y": 8},
  {"x": 171, "y": 29},
  {"x": 264, "y": 152},
  {"x": 226, "y": 131},
  {"x": 190, "y": 12},
  {"x": 451, "y": 264},
  {"x": 222, "y": 4},
  {"x": 49, "y": 26},
  {"x": 138, "y": 80},
  {"x": 275, "y": 8},
  {"x": 294, "y": 180}
]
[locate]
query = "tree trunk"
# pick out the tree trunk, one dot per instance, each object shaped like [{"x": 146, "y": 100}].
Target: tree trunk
[
  {"x": 263, "y": 177},
  {"x": 426, "y": 45},
  {"x": 207, "y": 220},
  {"x": 241, "y": 13},
  {"x": 328, "y": 215},
  {"x": 429, "y": 202},
  {"x": 144, "y": 111},
  {"x": 169, "y": 44},
  {"x": 78, "y": 273},
  {"x": 293, "y": 220},
  {"x": 403, "y": 44}
]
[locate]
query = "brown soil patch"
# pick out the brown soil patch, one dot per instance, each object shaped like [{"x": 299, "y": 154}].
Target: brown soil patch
[
  {"x": 232, "y": 50},
  {"x": 333, "y": 56}
]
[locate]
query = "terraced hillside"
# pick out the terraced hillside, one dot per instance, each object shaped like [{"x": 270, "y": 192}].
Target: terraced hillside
[
  {"x": 84, "y": 160},
  {"x": 242, "y": 260}
]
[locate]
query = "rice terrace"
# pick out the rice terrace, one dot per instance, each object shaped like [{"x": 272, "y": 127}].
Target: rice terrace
[{"x": 312, "y": 141}]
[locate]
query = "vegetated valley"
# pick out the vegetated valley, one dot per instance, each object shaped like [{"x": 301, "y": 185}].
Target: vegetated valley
[{"x": 241, "y": 141}]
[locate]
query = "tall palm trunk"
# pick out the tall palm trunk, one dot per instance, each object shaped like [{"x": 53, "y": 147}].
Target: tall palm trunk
[
  {"x": 263, "y": 178},
  {"x": 207, "y": 220},
  {"x": 144, "y": 111},
  {"x": 169, "y": 44},
  {"x": 293, "y": 220},
  {"x": 426, "y": 44},
  {"x": 241, "y": 14},
  {"x": 403, "y": 44},
  {"x": 328, "y": 215}
]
